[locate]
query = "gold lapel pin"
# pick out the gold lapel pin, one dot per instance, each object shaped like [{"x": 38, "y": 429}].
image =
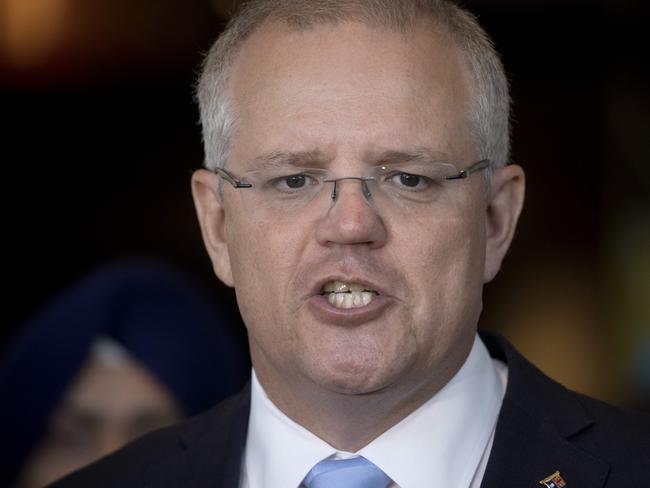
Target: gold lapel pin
[{"x": 553, "y": 481}]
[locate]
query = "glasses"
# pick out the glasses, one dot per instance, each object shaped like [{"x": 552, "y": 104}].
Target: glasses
[{"x": 408, "y": 185}]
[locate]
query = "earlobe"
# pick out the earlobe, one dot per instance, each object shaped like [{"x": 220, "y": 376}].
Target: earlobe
[
  {"x": 212, "y": 219},
  {"x": 506, "y": 199}
]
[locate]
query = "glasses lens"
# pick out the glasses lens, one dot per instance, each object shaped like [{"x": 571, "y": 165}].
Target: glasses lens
[
  {"x": 287, "y": 188},
  {"x": 413, "y": 182}
]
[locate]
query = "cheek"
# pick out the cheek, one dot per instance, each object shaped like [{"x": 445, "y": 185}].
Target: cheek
[
  {"x": 49, "y": 463},
  {"x": 446, "y": 269},
  {"x": 263, "y": 257},
  {"x": 263, "y": 253}
]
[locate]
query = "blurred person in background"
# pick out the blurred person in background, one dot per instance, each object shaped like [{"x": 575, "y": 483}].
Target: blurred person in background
[{"x": 133, "y": 347}]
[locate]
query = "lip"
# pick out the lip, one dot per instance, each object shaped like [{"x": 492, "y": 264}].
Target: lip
[{"x": 324, "y": 311}]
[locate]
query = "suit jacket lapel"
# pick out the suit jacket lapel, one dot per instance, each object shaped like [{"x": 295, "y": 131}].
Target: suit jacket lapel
[
  {"x": 211, "y": 446},
  {"x": 537, "y": 421}
]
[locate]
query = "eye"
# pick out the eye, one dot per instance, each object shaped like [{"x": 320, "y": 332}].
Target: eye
[
  {"x": 294, "y": 183},
  {"x": 409, "y": 181}
]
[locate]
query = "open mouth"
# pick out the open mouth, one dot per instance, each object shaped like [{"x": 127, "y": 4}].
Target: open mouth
[{"x": 347, "y": 295}]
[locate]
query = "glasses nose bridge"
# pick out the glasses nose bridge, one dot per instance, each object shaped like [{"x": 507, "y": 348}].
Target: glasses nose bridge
[{"x": 363, "y": 180}]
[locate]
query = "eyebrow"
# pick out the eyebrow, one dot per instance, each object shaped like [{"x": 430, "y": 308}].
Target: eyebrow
[
  {"x": 79, "y": 415},
  {"x": 288, "y": 158},
  {"x": 419, "y": 155}
]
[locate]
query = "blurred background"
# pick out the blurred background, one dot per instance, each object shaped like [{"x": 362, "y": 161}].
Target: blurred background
[{"x": 100, "y": 135}]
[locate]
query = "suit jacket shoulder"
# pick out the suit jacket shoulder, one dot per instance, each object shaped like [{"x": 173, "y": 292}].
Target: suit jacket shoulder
[
  {"x": 544, "y": 427},
  {"x": 204, "y": 451}
]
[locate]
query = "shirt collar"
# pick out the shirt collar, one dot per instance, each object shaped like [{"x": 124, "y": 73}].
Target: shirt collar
[
  {"x": 446, "y": 437},
  {"x": 442, "y": 440},
  {"x": 279, "y": 452}
]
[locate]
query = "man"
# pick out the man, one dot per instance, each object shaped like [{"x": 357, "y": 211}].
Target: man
[{"x": 357, "y": 198}]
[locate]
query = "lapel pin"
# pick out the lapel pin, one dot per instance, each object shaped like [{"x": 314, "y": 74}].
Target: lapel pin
[{"x": 553, "y": 481}]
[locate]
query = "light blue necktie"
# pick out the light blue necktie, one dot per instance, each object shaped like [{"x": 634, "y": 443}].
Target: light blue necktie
[{"x": 346, "y": 473}]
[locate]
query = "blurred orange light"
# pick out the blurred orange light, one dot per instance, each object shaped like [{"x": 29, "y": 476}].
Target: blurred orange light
[{"x": 31, "y": 30}]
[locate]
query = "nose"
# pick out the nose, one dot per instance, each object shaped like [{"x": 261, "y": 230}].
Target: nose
[
  {"x": 110, "y": 441},
  {"x": 352, "y": 217}
]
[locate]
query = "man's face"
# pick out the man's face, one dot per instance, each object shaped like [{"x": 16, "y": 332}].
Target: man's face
[
  {"x": 106, "y": 406},
  {"x": 347, "y": 95}
]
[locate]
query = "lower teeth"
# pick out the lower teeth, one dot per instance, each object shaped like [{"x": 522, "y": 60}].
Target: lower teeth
[{"x": 353, "y": 299}]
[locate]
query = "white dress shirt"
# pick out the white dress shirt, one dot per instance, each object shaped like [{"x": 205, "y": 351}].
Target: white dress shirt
[{"x": 445, "y": 442}]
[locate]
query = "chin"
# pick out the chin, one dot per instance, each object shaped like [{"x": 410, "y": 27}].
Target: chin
[
  {"x": 358, "y": 361},
  {"x": 353, "y": 375}
]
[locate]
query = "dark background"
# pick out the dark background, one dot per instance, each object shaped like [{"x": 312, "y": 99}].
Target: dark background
[{"x": 100, "y": 134}]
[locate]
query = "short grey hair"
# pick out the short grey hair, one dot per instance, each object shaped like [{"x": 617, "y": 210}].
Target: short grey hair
[{"x": 490, "y": 114}]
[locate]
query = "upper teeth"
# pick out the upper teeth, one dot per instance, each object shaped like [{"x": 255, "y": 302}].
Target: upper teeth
[
  {"x": 348, "y": 295},
  {"x": 341, "y": 287}
]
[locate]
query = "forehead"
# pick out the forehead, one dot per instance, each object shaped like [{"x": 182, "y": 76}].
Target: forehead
[
  {"x": 349, "y": 87},
  {"x": 116, "y": 387}
]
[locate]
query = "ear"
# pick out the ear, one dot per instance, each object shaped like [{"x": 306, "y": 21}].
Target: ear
[
  {"x": 212, "y": 219},
  {"x": 505, "y": 201}
]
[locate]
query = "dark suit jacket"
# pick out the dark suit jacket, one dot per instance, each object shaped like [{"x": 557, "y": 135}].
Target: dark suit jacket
[{"x": 542, "y": 428}]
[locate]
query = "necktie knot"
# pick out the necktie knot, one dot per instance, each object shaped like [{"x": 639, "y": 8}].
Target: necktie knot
[{"x": 346, "y": 473}]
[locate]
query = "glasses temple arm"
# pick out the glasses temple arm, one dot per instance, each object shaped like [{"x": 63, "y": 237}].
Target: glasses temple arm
[
  {"x": 478, "y": 166},
  {"x": 231, "y": 179}
]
